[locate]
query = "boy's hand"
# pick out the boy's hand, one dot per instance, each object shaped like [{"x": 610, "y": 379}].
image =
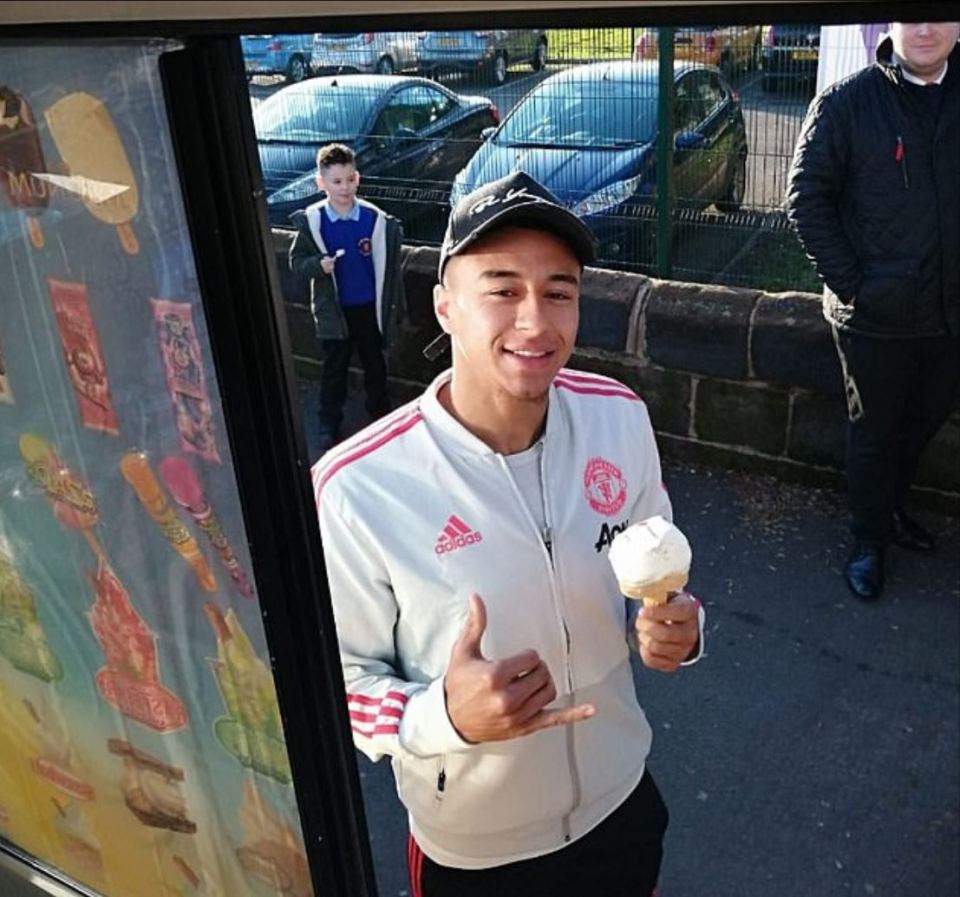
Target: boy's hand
[{"x": 328, "y": 261}]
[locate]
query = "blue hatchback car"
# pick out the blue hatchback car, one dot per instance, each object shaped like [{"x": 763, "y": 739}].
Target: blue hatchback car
[
  {"x": 277, "y": 54},
  {"x": 589, "y": 135}
]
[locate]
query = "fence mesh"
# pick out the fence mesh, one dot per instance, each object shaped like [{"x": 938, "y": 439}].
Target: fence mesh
[{"x": 577, "y": 109}]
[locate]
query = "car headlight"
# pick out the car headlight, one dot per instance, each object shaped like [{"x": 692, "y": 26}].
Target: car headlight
[
  {"x": 607, "y": 197},
  {"x": 301, "y": 188}
]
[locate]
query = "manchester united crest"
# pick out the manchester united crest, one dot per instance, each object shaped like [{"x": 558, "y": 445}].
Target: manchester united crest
[{"x": 604, "y": 487}]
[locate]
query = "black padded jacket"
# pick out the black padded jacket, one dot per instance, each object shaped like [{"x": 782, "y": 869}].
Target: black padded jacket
[{"x": 874, "y": 194}]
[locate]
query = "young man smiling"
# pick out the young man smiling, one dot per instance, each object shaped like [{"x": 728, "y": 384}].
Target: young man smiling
[{"x": 484, "y": 641}]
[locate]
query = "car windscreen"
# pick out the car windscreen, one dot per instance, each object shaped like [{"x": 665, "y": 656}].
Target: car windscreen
[
  {"x": 314, "y": 115},
  {"x": 581, "y": 113}
]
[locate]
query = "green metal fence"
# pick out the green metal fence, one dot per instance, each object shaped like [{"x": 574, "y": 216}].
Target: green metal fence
[{"x": 593, "y": 122}]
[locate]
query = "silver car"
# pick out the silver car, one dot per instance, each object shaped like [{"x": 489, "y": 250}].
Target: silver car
[{"x": 383, "y": 52}]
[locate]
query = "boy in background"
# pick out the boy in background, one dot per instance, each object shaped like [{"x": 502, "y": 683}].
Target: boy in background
[{"x": 349, "y": 250}]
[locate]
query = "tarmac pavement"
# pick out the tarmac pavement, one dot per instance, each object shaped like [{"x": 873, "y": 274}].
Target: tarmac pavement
[{"x": 815, "y": 750}]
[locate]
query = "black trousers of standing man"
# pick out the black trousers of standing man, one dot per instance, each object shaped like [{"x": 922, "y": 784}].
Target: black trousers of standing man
[
  {"x": 365, "y": 335},
  {"x": 899, "y": 393}
]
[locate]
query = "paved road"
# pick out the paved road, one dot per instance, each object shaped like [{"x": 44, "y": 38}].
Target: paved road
[{"x": 816, "y": 749}]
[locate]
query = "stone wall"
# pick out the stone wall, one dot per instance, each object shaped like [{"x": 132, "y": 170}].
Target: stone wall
[{"x": 736, "y": 377}]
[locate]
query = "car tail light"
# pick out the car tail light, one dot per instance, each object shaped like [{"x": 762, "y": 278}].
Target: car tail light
[
  {"x": 368, "y": 37},
  {"x": 768, "y": 39},
  {"x": 641, "y": 48},
  {"x": 734, "y": 96},
  {"x": 495, "y": 113},
  {"x": 275, "y": 45},
  {"x": 710, "y": 43}
]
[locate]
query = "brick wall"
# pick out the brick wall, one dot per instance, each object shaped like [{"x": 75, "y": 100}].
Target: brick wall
[{"x": 737, "y": 377}]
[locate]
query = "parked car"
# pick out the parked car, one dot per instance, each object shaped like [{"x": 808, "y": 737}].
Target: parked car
[
  {"x": 789, "y": 54},
  {"x": 277, "y": 54},
  {"x": 589, "y": 134},
  {"x": 383, "y": 52},
  {"x": 731, "y": 48},
  {"x": 488, "y": 53},
  {"x": 411, "y": 136}
]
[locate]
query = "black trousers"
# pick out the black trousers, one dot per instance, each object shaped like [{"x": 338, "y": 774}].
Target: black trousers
[
  {"x": 363, "y": 333},
  {"x": 619, "y": 858},
  {"x": 899, "y": 393}
]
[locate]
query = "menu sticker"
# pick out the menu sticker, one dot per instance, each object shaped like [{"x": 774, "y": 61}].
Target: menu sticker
[
  {"x": 83, "y": 355},
  {"x": 183, "y": 366}
]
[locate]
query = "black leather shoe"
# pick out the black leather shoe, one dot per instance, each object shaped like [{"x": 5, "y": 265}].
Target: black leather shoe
[
  {"x": 909, "y": 534},
  {"x": 864, "y": 572}
]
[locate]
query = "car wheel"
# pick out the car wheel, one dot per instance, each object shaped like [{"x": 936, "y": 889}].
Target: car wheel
[
  {"x": 498, "y": 69},
  {"x": 296, "y": 69},
  {"x": 736, "y": 189},
  {"x": 540, "y": 57},
  {"x": 385, "y": 66}
]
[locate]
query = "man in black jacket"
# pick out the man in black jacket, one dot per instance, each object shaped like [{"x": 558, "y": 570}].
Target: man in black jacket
[{"x": 874, "y": 192}]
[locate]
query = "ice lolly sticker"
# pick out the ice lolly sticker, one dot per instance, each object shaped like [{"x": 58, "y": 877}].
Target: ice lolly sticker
[
  {"x": 55, "y": 758},
  {"x": 130, "y": 682},
  {"x": 21, "y": 159},
  {"x": 74, "y": 505},
  {"x": 151, "y": 789},
  {"x": 78, "y": 840},
  {"x": 137, "y": 472},
  {"x": 22, "y": 639},
  {"x": 183, "y": 366},
  {"x": 271, "y": 851},
  {"x": 6, "y": 395},
  {"x": 82, "y": 353},
  {"x": 184, "y": 485},
  {"x": 87, "y": 138},
  {"x": 251, "y": 731}
]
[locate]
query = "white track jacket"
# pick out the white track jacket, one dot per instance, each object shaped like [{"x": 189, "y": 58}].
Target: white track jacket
[{"x": 416, "y": 514}]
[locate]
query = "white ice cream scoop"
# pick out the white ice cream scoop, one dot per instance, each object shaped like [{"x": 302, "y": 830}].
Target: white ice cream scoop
[{"x": 651, "y": 560}]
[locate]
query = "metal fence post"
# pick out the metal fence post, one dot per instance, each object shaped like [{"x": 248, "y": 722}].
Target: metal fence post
[{"x": 665, "y": 153}]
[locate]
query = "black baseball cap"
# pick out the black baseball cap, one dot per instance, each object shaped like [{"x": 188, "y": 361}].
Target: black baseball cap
[{"x": 516, "y": 199}]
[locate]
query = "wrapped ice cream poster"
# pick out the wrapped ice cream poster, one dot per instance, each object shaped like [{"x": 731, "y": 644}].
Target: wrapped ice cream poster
[
  {"x": 251, "y": 731},
  {"x": 83, "y": 355},
  {"x": 183, "y": 366},
  {"x": 130, "y": 681},
  {"x": 88, "y": 142},
  {"x": 23, "y": 641},
  {"x": 138, "y": 473},
  {"x": 151, "y": 789},
  {"x": 74, "y": 505},
  {"x": 185, "y": 486},
  {"x": 271, "y": 851},
  {"x": 21, "y": 160},
  {"x": 55, "y": 758}
]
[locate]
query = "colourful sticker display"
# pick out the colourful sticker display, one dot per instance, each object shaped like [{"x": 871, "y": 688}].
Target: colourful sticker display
[
  {"x": 184, "y": 485},
  {"x": 137, "y": 472},
  {"x": 130, "y": 682},
  {"x": 82, "y": 353},
  {"x": 183, "y": 366}
]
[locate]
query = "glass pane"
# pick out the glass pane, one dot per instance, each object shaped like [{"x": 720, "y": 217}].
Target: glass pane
[{"x": 141, "y": 745}]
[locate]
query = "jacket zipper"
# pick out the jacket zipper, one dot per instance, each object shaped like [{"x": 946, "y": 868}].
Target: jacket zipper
[{"x": 901, "y": 156}]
